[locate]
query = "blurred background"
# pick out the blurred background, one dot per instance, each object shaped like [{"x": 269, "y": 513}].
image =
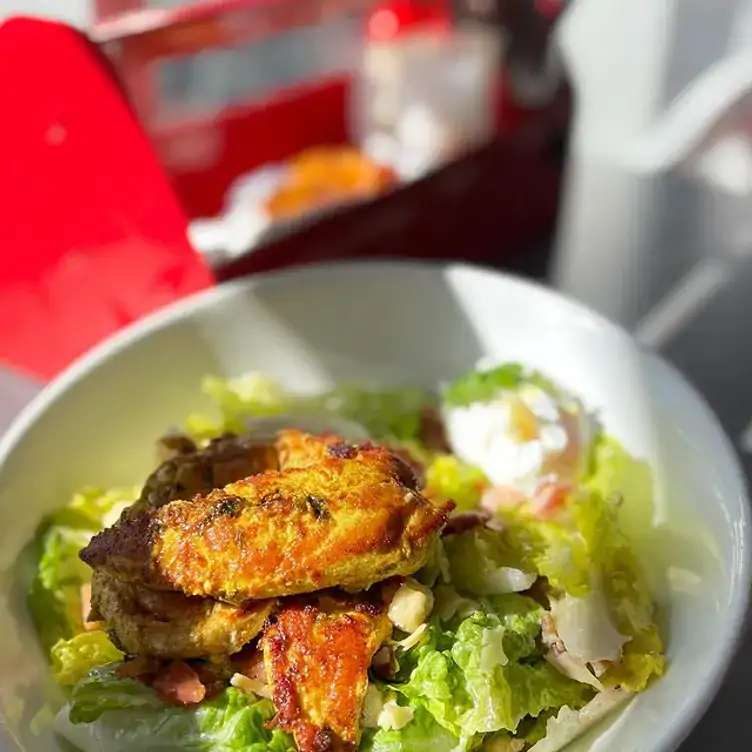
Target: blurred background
[{"x": 602, "y": 147}]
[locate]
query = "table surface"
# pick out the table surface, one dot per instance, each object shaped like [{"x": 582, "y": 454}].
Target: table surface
[{"x": 711, "y": 352}]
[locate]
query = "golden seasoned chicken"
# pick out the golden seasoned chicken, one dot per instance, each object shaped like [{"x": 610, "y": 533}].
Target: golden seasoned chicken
[
  {"x": 317, "y": 655},
  {"x": 348, "y": 521},
  {"x": 191, "y": 471},
  {"x": 166, "y": 624},
  {"x": 298, "y": 449},
  {"x": 170, "y": 625}
]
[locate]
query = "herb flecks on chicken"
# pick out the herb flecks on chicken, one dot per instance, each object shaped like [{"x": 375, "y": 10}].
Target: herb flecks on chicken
[{"x": 350, "y": 520}]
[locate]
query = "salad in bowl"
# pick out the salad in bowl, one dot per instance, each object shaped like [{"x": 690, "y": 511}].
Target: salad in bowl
[{"x": 361, "y": 569}]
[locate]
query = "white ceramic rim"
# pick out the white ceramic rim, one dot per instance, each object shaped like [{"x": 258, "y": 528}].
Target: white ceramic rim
[{"x": 741, "y": 579}]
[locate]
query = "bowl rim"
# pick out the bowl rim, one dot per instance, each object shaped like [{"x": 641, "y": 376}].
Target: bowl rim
[{"x": 741, "y": 578}]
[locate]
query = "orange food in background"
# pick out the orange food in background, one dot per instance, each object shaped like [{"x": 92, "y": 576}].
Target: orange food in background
[{"x": 323, "y": 176}]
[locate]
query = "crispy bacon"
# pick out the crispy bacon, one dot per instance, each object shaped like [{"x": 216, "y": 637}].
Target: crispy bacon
[{"x": 179, "y": 684}]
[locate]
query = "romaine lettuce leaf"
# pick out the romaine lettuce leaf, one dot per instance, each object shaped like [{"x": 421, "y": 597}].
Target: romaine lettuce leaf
[
  {"x": 520, "y": 617},
  {"x": 121, "y": 714},
  {"x": 471, "y": 680},
  {"x": 449, "y": 478},
  {"x": 587, "y": 545},
  {"x": 484, "y": 385},
  {"x": 387, "y": 414},
  {"x": 54, "y": 599},
  {"x": 480, "y": 563},
  {"x": 422, "y": 734},
  {"x": 73, "y": 659},
  {"x": 615, "y": 472}
]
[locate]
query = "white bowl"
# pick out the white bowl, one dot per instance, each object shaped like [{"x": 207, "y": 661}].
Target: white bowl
[{"x": 381, "y": 323}]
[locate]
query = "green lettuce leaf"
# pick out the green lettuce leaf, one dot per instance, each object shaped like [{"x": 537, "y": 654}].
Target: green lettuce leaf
[
  {"x": 422, "y": 734},
  {"x": 588, "y": 542},
  {"x": 612, "y": 528},
  {"x": 121, "y": 714},
  {"x": 520, "y": 617},
  {"x": 54, "y": 598},
  {"x": 73, "y": 659},
  {"x": 616, "y": 473},
  {"x": 387, "y": 414},
  {"x": 485, "y": 385},
  {"x": 450, "y": 478},
  {"x": 481, "y": 563},
  {"x": 483, "y": 676}
]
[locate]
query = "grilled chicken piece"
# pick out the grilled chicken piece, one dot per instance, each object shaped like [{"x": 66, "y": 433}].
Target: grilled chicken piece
[
  {"x": 298, "y": 449},
  {"x": 166, "y": 625},
  {"x": 170, "y": 625},
  {"x": 317, "y": 655},
  {"x": 226, "y": 459},
  {"x": 349, "y": 521}
]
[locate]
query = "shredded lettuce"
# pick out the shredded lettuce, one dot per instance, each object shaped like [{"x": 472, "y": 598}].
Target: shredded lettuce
[
  {"x": 387, "y": 414},
  {"x": 54, "y": 598},
  {"x": 449, "y": 478},
  {"x": 106, "y": 712},
  {"x": 73, "y": 659},
  {"x": 484, "y": 385}
]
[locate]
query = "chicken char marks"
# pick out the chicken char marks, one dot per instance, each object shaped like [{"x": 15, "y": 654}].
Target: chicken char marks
[
  {"x": 349, "y": 520},
  {"x": 317, "y": 654}
]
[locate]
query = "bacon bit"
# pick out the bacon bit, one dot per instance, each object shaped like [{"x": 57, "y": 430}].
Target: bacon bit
[
  {"x": 179, "y": 684},
  {"x": 142, "y": 669},
  {"x": 174, "y": 445},
  {"x": 549, "y": 497},
  {"x": 209, "y": 677},
  {"x": 461, "y": 523},
  {"x": 501, "y": 497}
]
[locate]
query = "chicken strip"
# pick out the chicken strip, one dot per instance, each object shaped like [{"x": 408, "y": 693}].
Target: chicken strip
[
  {"x": 224, "y": 460},
  {"x": 317, "y": 655},
  {"x": 349, "y": 521},
  {"x": 298, "y": 449},
  {"x": 170, "y": 625}
]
